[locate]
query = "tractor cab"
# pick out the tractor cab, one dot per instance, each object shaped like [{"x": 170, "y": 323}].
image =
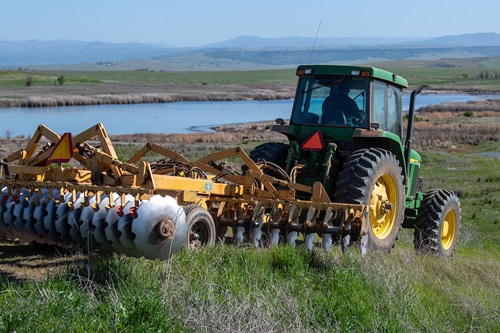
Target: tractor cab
[
  {"x": 338, "y": 110},
  {"x": 349, "y": 97}
]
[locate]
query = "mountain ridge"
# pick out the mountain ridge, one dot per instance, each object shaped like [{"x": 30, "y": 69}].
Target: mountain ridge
[{"x": 15, "y": 53}]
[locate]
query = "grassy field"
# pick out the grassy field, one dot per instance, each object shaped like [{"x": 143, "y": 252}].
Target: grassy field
[
  {"x": 240, "y": 289},
  {"x": 473, "y": 75}
]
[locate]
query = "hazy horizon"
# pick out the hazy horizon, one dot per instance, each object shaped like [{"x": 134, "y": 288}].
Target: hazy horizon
[{"x": 196, "y": 23}]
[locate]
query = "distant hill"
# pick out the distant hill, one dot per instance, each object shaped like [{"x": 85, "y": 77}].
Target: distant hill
[
  {"x": 36, "y": 52},
  {"x": 244, "y": 52},
  {"x": 478, "y": 39},
  {"x": 306, "y": 42}
]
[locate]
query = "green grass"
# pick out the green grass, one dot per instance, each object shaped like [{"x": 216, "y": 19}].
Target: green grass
[
  {"x": 227, "y": 289},
  {"x": 436, "y": 73},
  {"x": 263, "y": 77},
  {"x": 476, "y": 180},
  {"x": 18, "y": 78}
]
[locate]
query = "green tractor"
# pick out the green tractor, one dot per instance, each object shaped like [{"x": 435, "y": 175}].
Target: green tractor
[{"x": 346, "y": 131}]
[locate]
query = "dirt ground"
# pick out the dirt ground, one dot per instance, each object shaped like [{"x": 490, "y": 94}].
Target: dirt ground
[{"x": 21, "y": 262}]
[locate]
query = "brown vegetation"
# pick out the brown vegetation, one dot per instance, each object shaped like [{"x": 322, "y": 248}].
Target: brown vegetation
[
  {"x": 135, "y": 94},
  {"x": 480, "y": 105},
  {"x": 450, "y": 129}
]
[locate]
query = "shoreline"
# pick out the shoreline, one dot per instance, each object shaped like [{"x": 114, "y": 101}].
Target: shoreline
[
  {"x": 120, "y": 94},
  {"x": 70, "y": 97}
]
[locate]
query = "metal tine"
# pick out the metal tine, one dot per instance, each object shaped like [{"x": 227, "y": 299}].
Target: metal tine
[
  {"x": 326, "y": 238},
  {"x": 310, "y": 221},
  {"x": 363, "y": 244},
  {"x": 293, "y": 215},
  {"x": 274, "y": 233},
  {"x": 239, "y": 232},
  {"x": 257, "y": 221},
  {"x": 345, "y": 239}
]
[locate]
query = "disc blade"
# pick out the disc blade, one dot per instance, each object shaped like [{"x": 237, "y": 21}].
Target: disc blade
[
  {"x": 29, "y": 218},
  {"x": 39, "y": 227},
  {"x": 153, "y": 227},
  {"x": 111, "y": 229},
  {"x": 99, "y": 223},
  {"x": 19, "y": 222},
  {"x": 86, "y": 217},
  {"x": 61, "y": 224},
  {"x": 4, "y": 228},
  {"x": 4, "y": 232},
  {"x": 49, "y": 222},
  {"x": 124, "y": 226},
  {"x": 75, "y": 236}
]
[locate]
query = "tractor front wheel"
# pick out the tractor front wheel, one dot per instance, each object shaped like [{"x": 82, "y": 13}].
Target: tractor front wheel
[
  {"x": 373, "y": 177},
  {"x": 438, "y": 223}
]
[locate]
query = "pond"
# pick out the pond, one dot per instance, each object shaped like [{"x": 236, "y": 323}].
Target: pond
[{"x": 178, "y": 117}]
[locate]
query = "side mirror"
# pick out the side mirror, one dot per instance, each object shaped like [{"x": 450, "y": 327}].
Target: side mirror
[{"x": 280, "y": 121}]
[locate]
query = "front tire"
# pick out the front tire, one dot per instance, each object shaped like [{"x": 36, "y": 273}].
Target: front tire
[
  {"x": 373, "y": 177},
  {"x": 438, "y": 223}
]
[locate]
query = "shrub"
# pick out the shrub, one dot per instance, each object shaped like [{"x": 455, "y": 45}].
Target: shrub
[
  {"x": 29, "y": 81},
  {"x": 61, "y": 79},
  {"x": 468, "y": 114}
]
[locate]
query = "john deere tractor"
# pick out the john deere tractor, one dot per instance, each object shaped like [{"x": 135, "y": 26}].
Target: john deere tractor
[{"x": 346, "y": 131}]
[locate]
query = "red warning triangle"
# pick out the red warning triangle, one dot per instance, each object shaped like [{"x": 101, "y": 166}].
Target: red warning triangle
[
  {"x": 314, "y": 142},
  {"x": 63, "y": 151}
]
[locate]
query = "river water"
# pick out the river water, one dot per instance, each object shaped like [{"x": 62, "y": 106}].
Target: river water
[{"x": 178, "y": 117}]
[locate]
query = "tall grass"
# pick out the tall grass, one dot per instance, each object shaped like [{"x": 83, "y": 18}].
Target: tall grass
[
  {"x": 71, "y": 100},
  {"x": 227, "y": 289}
]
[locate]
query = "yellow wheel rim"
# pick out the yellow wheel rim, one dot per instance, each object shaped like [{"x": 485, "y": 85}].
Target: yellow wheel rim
[
  {"x": 383, "y": 203},
  {"x": 448, "y": 229}
]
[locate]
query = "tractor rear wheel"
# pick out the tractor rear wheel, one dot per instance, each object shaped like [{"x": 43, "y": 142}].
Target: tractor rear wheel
[
  {"x": 373, "y": 177},
  {"x": 271, "y": 158},
  {"x": 201, "y": 227},
  {"x": 274, "y": 152},
  {"x": 438, "y": 223}
]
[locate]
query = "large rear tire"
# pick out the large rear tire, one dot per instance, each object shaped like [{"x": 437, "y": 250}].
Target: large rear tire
[
  {"x": 438, "y": 223},
  {"x": 373, "y": 177},
  {"x": 274, "y": 152},
  {"x": 271, "y": 158}
]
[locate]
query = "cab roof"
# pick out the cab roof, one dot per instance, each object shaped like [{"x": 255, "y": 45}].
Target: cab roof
[{"x": 354, "y": 71}]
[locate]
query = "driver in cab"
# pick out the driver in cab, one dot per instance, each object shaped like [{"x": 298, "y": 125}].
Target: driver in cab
[{"x": 340, "y": 109}]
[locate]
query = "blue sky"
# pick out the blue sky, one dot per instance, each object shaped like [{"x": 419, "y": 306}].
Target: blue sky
[{"x": 196, "y": 23}]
